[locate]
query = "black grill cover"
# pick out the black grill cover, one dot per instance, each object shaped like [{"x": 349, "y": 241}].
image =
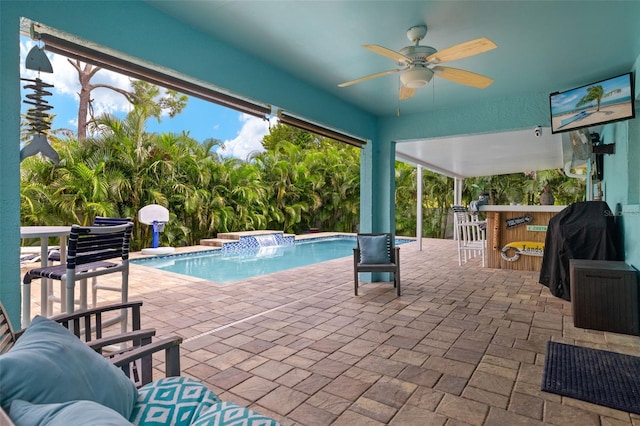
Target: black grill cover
[{"x": 585, "y": 230}]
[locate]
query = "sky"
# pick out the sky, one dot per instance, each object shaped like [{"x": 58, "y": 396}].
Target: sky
[
  {"x": 566, "y": 101},
  {"x": 240, "y": 133}
]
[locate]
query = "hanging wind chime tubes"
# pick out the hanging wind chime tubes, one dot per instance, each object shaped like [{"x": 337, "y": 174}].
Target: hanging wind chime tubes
[{"x": 37, "y": 117}]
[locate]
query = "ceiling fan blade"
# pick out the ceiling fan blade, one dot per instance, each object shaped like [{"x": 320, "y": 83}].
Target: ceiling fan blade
[
  {"x": 462, "y": 50},
  {"x": 467, "y": 78},
  {"x": 406, "y": 92},
  {"x": 396, "y": 56},
  {"x": 368, "y": 77}
]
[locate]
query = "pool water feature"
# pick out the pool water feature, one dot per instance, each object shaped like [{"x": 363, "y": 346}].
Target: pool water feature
[
  {"x": 225, "y": 266},
  {"x": 266, "y": 240},
  {"x": 248, "y": 242}
]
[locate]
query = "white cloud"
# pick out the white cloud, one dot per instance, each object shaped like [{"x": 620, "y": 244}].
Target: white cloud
[
  {"x": 249, "y": 137},
  {"x": 67, "y": 86}
]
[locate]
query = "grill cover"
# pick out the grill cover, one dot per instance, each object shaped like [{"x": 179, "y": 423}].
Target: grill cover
[{"x": 585, "y": 230}]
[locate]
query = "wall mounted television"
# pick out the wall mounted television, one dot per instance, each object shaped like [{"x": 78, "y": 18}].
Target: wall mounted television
[{"x": 593, "y": 104}]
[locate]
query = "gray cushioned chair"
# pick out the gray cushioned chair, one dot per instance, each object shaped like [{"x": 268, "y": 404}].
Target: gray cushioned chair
[{"x": 376, "y": 253}]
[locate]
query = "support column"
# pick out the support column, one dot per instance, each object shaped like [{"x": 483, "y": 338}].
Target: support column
[
  {"x": 10, "y": 165},
  {"x": 419, "y": 207},
  {"x": 377, "y": 187},
  {"x": 377, "y": 193},
  {"x": 457, "y": 191}
]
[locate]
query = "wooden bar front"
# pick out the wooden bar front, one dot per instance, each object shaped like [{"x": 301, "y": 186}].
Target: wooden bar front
[{"x": 499, "y": 236}]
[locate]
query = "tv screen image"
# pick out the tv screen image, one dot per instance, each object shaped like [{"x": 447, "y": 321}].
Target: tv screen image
[{"x": 593, "y": 104}]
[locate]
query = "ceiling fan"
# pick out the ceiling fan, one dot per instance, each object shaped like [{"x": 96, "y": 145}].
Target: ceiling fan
[{"x": 416, "y": 63}]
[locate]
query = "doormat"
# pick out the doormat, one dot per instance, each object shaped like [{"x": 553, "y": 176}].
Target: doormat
[{"x": 597, "y": 376}]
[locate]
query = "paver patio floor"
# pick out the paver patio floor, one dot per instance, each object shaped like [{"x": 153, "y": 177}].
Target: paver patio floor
[{"x": 461, "y": 346}]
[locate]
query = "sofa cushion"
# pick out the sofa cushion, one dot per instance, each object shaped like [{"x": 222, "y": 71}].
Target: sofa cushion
[
  {"x": 228, "y": 413},
  {"x": 48, "y": 364},
  {"x": 373, "y": 249},
  {"x": 70, "y": 413},
  {"x": 172, "y": 400}
]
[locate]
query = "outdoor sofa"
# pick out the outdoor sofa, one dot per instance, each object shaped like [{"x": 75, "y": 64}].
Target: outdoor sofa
[{"x": 48, "y": 375}]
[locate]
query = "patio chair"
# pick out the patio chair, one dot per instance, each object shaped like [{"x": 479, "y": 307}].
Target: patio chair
[
  {"x": 32, "y": 254},
  {"x": 95, "y": 286},
  {"x": 376, "y": 253},
  {"x": 470, "y": 234},
  {"x": 45, "y": 364},
  {"x": 93, "y": 251},
  {"x": 458, "y": 214},
  {"x": 7, "y": 335},
  {"x": 50, "y": 376},
  {"x": 90, "y": 326},
  {"x": 110, "y": 221}
]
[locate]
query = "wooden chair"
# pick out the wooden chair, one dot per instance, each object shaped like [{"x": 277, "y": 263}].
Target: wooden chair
[
  {"x": 92, "y": 251},
  {"x": 470, "y": 235},
  {"x": 376, "y": 253},
  {"x": 134, "y": 348},
  {"x": 7, "y": 335}
]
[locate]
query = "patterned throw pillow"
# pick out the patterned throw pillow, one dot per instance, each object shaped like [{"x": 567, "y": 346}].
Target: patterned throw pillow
[
  {"x": 228, "y": 413},
  {"x": 173, "y": 401}
]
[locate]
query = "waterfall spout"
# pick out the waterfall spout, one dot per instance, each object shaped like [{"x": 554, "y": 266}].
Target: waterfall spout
[{"x": 266, "y": 240}]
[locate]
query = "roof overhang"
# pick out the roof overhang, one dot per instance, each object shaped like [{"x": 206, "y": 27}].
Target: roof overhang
[{"x": 485, "y": 154}]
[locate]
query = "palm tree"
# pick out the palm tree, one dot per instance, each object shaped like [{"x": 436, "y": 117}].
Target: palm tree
[
  {"x": 596, "y": 93},
  {"x": 405, "y": 198},
  {"x": 439, "y": 194},
  {"x": 37, "y": 200}
]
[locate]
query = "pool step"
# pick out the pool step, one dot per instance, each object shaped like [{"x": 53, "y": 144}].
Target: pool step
[
  {"x": 233, "y": 237},
  {"x": 237, "y": 235},
  {"x": 214, "y": 242}
]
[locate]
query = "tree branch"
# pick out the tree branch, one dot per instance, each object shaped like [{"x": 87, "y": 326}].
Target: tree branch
[{"x": 130, "y": 96}]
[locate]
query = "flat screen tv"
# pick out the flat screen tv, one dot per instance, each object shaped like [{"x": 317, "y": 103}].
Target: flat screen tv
[{"x": 593, "y": 104}]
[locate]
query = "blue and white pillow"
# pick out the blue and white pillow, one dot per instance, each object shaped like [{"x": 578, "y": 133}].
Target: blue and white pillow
[
  {"x": 173, "y": 401},
  {"x": 228, "y": 413}
]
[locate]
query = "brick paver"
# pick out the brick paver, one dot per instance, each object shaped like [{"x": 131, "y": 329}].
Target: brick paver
[{"x": 462, "y": 345}]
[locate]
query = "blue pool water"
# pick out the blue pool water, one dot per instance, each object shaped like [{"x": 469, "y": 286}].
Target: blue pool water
[{"x": 222, "y": 267}]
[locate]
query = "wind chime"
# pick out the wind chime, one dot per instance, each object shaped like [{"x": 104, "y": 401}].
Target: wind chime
[{"x": 37, "y": 117}]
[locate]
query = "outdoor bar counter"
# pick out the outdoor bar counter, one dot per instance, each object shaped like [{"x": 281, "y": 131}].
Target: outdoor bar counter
[{"x": 517, "y": 225}]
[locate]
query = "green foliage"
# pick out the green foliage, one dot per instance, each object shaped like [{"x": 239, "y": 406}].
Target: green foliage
[
  {"x": 437, "y": 197},
  {"x": 595, "y": 93},
  {"x": 300, "y": 181},
  {"x": 313, "y": 182},
  {"x": 299, "y": 184},
  {"x": 146, "y": 97},
  {"x": 521, "y": 188}
]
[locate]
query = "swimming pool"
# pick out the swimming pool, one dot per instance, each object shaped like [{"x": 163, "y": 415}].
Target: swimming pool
[{"x": 223, "y": 267}]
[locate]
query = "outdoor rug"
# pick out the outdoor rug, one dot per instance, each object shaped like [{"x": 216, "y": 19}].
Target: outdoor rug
[{"x": 600, "y": 377}]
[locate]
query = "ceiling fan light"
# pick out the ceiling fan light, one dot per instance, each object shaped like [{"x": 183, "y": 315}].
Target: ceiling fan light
[{"x": 416, "y": 77}]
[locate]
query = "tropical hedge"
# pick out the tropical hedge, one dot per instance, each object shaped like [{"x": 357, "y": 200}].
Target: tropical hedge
[{"x": 300, "y": 182}]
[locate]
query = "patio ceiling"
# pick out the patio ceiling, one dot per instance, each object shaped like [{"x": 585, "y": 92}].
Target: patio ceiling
[
  {"x": 543, "y": 47},
  {"x": 485, "y": 155}
]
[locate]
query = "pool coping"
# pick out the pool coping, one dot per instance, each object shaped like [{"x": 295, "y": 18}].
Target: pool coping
[{"x": 203, "y": 249}]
